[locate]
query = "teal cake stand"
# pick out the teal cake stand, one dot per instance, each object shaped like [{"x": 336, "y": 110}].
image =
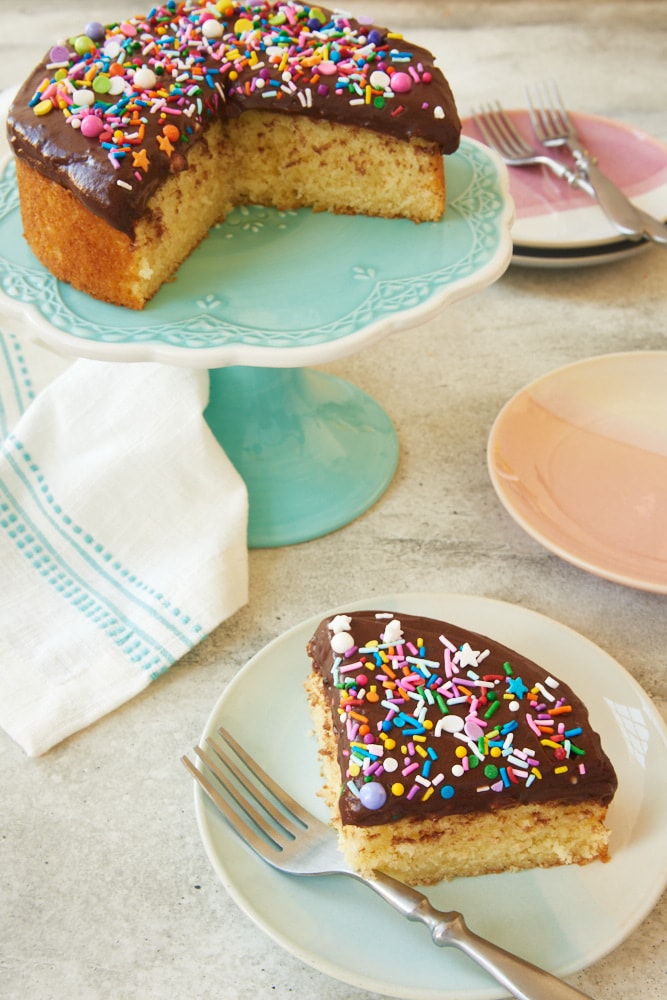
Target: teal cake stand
[
  {"x": 265, "y": 298},
  {"x": 315, "y": 452}
]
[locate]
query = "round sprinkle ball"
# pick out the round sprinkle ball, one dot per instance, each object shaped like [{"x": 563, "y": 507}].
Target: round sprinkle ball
[
  {"x": 372, "y": 795},
  {"x": 94, "y": 30},
  {"x": 212, "y": 28},
  {"x": 341, "y": 642},
  {"x": 144, "y": 79},
  {"x": 91, "y": 126},
  {"x": 401, "y": 83},
  {"x": 447, "y": 792},
  {"x": 83, "y": 44}
]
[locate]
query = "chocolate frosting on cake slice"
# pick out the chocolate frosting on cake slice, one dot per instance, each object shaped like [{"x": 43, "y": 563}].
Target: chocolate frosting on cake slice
[{"x": 431, "y": 719}]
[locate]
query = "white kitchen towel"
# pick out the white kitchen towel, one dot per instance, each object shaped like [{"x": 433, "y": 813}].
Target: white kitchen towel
[{"x": 123, "y": 534}]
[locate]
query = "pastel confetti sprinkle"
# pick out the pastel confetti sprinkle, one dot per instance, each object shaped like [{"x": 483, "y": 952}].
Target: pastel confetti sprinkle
[
  {"x": 186, "y": 59},
  {"x": 446, "y": 714}
]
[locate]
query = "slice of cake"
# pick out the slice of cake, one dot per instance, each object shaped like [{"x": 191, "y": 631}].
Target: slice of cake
[
  {"x": 445, "y": 753},
  {"x": 133, "y": 139}
]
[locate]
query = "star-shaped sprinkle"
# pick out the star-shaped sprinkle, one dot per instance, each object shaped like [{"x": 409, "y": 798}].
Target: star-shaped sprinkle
[
  {"x": 165, "y": 145},
  {"x": 140, "y": 159},
  {"x": 467, "y": 656},
  {"x": 516, "y": 687}
]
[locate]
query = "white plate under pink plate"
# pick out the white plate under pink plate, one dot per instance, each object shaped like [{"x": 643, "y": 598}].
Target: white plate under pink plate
[
  {"x": 552, "y": 215},
  {"x": 579, "y": 459}
]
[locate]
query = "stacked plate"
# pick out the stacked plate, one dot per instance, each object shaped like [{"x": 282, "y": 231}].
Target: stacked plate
[{"x": 559, "y": 226}]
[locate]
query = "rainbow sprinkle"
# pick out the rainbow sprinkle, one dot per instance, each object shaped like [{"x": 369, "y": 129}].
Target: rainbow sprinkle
[
  {"x": 446, "y": 712},
  {"x": 143, "y": 87}
]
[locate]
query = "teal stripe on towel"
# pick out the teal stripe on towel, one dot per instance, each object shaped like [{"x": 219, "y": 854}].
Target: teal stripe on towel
[
  {"x": 20, "y": 382},
  {"x": 31, "y": 540}
]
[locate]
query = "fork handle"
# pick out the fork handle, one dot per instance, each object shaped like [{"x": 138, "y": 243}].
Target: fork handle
[
  {"x": 618, "y": 208},
  {"x": 523, "y": 980}
]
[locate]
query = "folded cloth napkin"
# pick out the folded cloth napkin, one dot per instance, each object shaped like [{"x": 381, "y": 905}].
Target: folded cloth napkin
[{"x": 123, "y": 534}]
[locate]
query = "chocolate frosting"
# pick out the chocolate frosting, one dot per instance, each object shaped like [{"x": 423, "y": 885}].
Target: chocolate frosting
[
  {"x": 432, "y": 719},
  {"x": 110, "y": 113}
]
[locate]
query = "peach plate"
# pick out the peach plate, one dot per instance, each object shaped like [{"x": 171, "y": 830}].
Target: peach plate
[{"x": 579, "y": 460}]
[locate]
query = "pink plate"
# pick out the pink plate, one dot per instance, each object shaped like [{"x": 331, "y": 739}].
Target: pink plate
[
  {"x": 579, "y": 459},
  {"x": 551, "y": 214}
]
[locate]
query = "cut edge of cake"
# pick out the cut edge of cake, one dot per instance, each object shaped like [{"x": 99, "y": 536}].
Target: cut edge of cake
[{"x": 83, "y": 249}]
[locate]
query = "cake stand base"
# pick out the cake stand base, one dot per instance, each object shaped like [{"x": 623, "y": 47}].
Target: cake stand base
[{"x": 314, "y": 451}]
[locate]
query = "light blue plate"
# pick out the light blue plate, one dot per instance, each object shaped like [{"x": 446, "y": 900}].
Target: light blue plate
[
  {"x": 562, "y": 919},
  {"x": 275, "y": 290}
]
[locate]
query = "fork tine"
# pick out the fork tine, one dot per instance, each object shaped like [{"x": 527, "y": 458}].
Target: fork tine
[
  {"x": 510, "y": 130},
  {"x": 548, "y": 116},
  {"x": 290, "y": 805},
  {"x": 266, "y": 817},
  {"x": 500, "y": 132},
  {"x": 536, "y": 113},
  {"x": 282, "y": 819},
  {"x": 235, "y": 820},
  {"x": 270, "y": 829},
  {"x": 558, "y": 105}
]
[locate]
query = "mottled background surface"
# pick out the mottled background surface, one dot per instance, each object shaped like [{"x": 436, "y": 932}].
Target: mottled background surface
[{"x": 106, "y": 889}]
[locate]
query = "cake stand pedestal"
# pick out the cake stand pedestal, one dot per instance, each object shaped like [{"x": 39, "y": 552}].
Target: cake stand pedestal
[
  {"x": 314, "y": 451},
  {"x": 268, "y": 295}
]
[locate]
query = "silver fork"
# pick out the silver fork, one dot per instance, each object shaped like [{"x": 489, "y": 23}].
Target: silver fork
[
  {"x": 289, "y": 838},
  {"x": 501, "y": 134},
  {"x": 553, "y": 127}
]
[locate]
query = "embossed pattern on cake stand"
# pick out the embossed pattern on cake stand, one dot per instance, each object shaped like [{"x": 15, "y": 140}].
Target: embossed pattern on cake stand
[{"x": 267, "y": 295}]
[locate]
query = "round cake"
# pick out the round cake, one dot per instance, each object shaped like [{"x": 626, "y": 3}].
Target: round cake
[
  {"x": 133, "y": 139},
  {"x": 445, "y": 753}
]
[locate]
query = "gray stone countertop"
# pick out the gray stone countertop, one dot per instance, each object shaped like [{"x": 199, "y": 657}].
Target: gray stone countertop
[{"x": 106, "y": 888}]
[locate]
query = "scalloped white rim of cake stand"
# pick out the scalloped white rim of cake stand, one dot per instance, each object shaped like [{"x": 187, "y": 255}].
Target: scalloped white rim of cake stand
[{"x": 34, "y": 324}]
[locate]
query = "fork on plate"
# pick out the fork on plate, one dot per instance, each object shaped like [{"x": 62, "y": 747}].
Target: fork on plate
[
  {"x": 553, "y": 128},
  {"x": 500, "y": 133},
  {"x": 286, "y": 836},
  {"x": 551, "y": 121}
]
